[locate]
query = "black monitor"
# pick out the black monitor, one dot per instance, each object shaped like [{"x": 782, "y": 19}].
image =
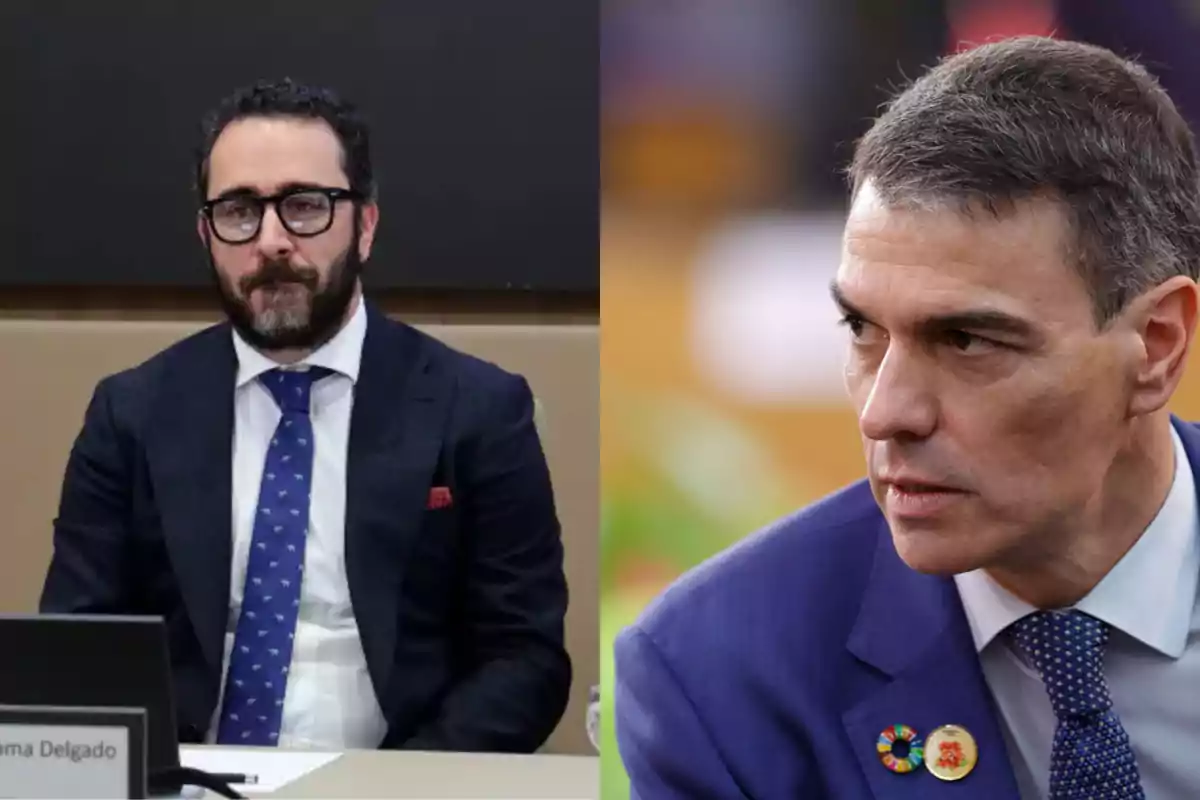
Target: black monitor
[{"x": 93, "y": 660}]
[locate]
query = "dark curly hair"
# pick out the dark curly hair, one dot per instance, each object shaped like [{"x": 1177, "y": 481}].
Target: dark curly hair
[{"x": 288, "y": 98}]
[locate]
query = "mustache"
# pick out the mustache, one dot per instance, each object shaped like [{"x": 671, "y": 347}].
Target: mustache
[{"x": 277, "y": 272}]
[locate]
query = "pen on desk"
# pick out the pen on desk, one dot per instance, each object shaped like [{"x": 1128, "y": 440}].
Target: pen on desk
[{"x": 233, "y": 778}]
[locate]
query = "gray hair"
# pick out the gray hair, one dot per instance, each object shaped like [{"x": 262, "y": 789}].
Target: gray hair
[{"x": 1038, "y": 117}]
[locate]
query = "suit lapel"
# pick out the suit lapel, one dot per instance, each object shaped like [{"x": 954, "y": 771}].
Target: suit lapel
[
  {"x": 396, "y": 429},
  {"x": 190, "y": 459},
  {"x": 912, "y": 628}
]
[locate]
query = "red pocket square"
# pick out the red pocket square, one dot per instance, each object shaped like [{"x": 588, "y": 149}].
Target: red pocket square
[{"x": 439, "y": 497}]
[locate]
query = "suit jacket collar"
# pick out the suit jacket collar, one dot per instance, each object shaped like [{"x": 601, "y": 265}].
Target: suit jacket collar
[{"x": 912, "y": 629}]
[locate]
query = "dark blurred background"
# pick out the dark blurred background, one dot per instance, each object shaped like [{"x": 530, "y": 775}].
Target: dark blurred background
[{"x": 484, "y": 123}]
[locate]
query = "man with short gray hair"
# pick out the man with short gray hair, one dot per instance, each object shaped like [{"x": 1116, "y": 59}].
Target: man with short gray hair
[{"x": 1007, "y": 606}]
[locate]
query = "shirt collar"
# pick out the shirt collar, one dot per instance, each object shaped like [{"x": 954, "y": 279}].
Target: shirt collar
[
  {"x": 1149, "y": 594},
  {"x": 342, "y": 353}
]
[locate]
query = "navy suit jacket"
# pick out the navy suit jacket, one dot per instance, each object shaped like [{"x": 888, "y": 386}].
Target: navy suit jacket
[
  {"x": 460, "y": 609},
  {"x": 769, "y": 671}
]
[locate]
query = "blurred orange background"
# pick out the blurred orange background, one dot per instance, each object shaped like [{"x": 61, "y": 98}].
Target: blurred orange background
[{"x": 725, "y": 128}]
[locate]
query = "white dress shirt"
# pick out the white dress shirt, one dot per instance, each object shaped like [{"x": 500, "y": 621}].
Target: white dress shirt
[
  {"x": 330, "y": 702},
  {"x": 1152, "y": 665}
]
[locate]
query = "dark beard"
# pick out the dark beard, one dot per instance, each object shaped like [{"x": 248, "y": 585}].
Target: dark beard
[{"x": 327, "y": 305}]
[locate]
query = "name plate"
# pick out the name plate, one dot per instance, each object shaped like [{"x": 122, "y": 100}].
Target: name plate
[{"x": 72, "y": 753}]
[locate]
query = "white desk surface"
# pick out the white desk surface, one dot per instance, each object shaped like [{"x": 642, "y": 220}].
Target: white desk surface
[{"x": 440, "y": 776}]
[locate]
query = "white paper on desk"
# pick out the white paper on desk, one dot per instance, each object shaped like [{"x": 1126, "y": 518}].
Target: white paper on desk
[{"x": 274, "y": 768}]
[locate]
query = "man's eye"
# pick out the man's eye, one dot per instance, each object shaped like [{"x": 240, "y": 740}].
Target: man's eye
[
  {"x": 233, "y": 210},
  {"x": 854, "y": 323},
  {"x": 964, "y": 342}
]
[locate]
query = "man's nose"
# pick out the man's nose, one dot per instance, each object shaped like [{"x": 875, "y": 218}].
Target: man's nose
[
  {"x": 273, "y": 238},
  {"x": 900, "y": 402}
]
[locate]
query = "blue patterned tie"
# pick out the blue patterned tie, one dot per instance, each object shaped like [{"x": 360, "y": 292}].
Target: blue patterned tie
[
  {"x": 1092, "y": 757},
  {"x": 262, "y": 644}
]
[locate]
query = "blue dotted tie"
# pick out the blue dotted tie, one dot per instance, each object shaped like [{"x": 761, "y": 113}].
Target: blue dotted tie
[
  {"x": 262, "y": 645},
  {"x": 1092, "y": 757}
]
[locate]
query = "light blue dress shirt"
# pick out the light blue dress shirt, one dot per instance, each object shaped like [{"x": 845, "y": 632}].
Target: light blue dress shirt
[{"x": 1152, "y": 666}]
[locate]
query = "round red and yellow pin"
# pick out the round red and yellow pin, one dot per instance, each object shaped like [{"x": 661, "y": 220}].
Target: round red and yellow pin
[{"x": 951, "y": 752}]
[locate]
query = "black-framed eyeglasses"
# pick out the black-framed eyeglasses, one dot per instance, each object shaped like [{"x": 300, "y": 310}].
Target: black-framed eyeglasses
[{"x": 308, "y": 211}]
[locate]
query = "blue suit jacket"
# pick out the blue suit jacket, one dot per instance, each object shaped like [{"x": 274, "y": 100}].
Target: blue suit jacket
[
  {"x": 460, "y": 609},
  {"x": 769, "y": 671}
]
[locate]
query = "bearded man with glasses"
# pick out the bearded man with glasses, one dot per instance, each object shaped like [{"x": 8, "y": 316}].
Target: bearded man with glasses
[{"x": 348, "y": 527}]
